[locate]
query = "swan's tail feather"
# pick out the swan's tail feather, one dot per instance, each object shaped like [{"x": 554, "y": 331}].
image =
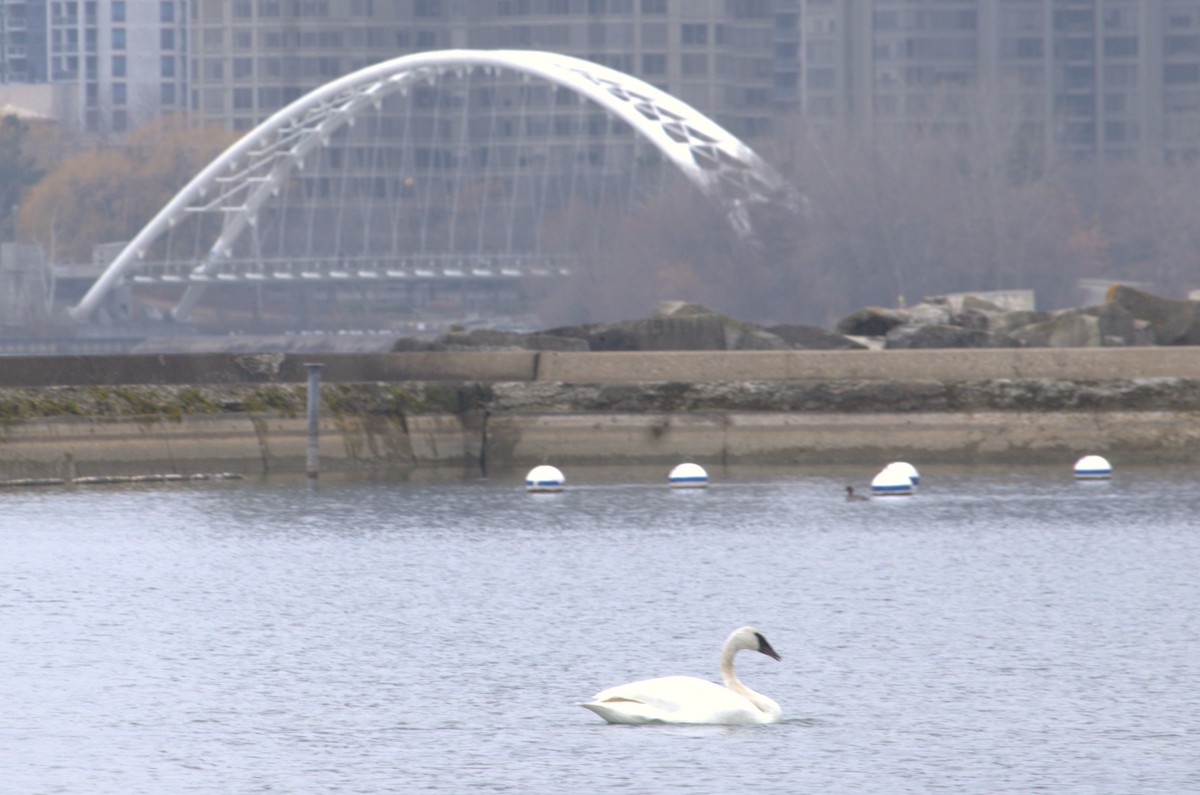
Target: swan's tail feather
[{"x": 621, "y": 711}]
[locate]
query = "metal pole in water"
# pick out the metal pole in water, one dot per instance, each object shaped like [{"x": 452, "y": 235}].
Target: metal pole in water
[{"x": 311, "y": 459}]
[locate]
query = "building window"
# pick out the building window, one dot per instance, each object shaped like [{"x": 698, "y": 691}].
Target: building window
[
  {"x": 1121, "y": 46},
  {"x": 243, "y": 98},
  {"x": 654, "y": 64},
  {"x": 119, "y": 93},
  {"x": 166, "y": 38},
  {"x": 167, "y": 66},
  {"x": 243, "y": 68},
  {"x": 749, "y": 9},
  {"x": 427, "y": 8},
  {"x": 694, "y": 34},
  {"x": 118, "y": 38},
  {"x": 118, "y": 11},
  {"x": 1180, "y": 45},
  {"x": 1178, "y": 73},
  {"x": 166, "y": 94},
  {"x": 118, "y": 66},
  {"x": 120, "y": 120},
  {"x": 166, "y": 12},
  {"x": 513, "y": 8},
  {"x": 654, "y": 6}
]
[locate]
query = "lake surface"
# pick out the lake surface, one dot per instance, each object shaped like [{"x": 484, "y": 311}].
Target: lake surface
[{"x": 1000, "y": 632}]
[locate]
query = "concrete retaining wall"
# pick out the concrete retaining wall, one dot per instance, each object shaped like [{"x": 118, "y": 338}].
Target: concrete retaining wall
[
  {"x": 1074, "y": 364},
  {"x": 513, "y": 409},
  {"x": 71, "y": 447}
]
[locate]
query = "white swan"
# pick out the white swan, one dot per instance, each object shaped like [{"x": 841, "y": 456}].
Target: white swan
[{"x": 686, "y": 699}]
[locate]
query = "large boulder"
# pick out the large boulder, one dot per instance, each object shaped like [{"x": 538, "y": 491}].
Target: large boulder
[
  {"x": 978, "y": 314},
  {"x": 936, "y": 335},
  {"x": 1107, "y": 325},
  {"x": 679, "y": 327},
  {"x": 974, "y": 302},
  {"x": 1071, "y": 330},
  {"x": 1172, "y": 322},
  {"x": 933, "y": 311},
  {"x": 670, "y": 334},
  {"x": 813, "y": 338},
  {"x": 871, "y": 321},
  {"x": 489, "y": 340},
  {"x": 1005, "y": 324},
  {"x": 1119, "y": 327}
]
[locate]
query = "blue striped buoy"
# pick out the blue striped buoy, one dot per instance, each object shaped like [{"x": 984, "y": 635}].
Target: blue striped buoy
[
  {"x": 1093, "y": 467},
  {"x": 892, "y": 481},
  {"x": 545, "y": 478},
  {"x": 907, "y": 469},
  {"x": 688, "y": 476}
]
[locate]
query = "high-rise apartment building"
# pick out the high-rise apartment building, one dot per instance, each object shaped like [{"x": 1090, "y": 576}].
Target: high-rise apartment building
[
  {"x": 717, "y": 55},
  {"x": 107, "y": 66},
  {"x": 22, "y": 41},
  {"x": 124, "y": 61},
  {"x": 1087, "y": 78},
  {"x": 1109, "y": 78},
  {"x": 252, "y": 57}
]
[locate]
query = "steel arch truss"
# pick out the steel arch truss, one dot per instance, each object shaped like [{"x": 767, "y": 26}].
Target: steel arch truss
[{"x": 238, "y": 182}]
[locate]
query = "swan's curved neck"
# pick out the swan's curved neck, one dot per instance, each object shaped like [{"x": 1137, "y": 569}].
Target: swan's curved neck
[{"x": 733, "y": 683}]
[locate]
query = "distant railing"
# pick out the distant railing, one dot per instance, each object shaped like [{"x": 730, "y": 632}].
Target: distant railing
[{"x": 300, "y": 270}]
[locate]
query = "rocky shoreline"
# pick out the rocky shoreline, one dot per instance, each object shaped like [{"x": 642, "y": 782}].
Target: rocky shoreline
[{"x": 1128, "y": 317}]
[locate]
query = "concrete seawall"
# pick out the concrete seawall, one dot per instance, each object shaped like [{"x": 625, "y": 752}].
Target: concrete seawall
[
  {"x": 65, "y": 417},
  {"x": 1072, "y": 364}
]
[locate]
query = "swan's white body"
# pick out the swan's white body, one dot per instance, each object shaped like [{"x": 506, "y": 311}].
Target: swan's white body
[{"x": 687, "y": 699}]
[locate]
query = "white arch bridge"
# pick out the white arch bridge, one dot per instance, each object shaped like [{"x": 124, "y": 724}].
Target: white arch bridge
[{"x": 454, "y": 163}]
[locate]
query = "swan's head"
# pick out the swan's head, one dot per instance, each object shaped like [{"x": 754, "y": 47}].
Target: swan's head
[{"x": 751, "y": 639}]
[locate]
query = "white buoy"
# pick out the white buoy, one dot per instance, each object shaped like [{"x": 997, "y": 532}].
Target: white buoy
[
  {"x": 892, "y": 481},
  {"x": 1093, "y": 467},
  {"x": 688, "y": 476},
  {"x": 908, "y": 469},
  {"x": 545, "y": 478}
]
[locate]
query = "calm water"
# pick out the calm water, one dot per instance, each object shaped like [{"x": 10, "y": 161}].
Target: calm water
[{"x": 998, "y": 633}]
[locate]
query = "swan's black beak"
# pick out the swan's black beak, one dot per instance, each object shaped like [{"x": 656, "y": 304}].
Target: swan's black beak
[{"x": 765, "y": 647}]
